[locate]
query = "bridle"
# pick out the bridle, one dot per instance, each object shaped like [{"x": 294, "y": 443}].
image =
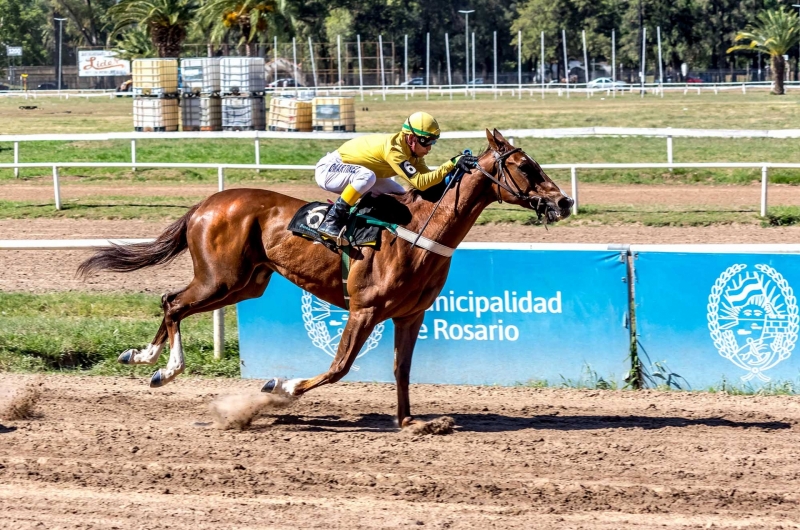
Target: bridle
[{"x": 541, "y": 207}]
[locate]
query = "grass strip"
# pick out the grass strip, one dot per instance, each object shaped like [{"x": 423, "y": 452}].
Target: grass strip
[{"x": 80, "y": 332}]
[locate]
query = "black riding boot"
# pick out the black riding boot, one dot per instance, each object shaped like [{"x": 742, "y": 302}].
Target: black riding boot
[{"x": 335, "y": 220}]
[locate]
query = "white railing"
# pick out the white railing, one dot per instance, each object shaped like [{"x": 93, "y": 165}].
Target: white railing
[
  {"x": 573, "y": 167},
  {"x": 571, "y": 132},
  {"x": 218, "y": 315}
]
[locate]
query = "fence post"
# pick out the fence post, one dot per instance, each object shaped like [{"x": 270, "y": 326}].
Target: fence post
[
  {"x": 219, "y": 333},
  {"x": 133, "y": 154},
  {"x": 16, "y": 159},
  {"x": 573, "y": 173},
  {"x": 669, "y": 152},
  {"x": 258, "y": 155},
  {"x": 764, "y": 182},
  {"x": 221, "y": 178},
  {"x": 510, "y": 140},
  {"x": 56, "y": 189}
]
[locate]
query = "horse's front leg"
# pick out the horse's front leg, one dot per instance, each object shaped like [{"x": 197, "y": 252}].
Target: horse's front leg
[
  {"x": 406, "y": 331},
  {"x": 360, "y": 324},
  {"x": 151, "y": 353}
]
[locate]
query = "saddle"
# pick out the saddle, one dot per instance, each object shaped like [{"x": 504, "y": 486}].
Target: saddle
[{"x": 368, "y": 219}]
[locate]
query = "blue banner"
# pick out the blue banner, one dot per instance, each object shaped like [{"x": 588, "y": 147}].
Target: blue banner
[
  {"x": 718, "y": 315},
  {"x": 506, "y": 316}
]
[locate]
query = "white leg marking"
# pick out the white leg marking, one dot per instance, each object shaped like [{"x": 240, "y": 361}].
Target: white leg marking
[
  {"x": 149, "y": 355},
  {"x": 290, "y": 385},
  {"x": 175, "y": 365}
]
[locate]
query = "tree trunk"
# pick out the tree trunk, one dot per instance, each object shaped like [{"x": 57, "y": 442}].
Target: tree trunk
[{"x": 778, "y": 72}]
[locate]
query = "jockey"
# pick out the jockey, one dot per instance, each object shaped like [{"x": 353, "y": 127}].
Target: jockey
[{"x": 367, "y": 163}]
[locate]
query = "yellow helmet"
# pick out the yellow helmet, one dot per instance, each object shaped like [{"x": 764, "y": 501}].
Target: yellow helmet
[{"x": 422, "y": 124}]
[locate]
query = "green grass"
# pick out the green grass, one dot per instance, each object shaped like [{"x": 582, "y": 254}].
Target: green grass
[
  {"x": 86, "y": 333},
  {"x": 783, "y": 216}
]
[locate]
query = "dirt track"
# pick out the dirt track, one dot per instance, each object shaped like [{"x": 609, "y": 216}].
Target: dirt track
[{"x": 111, "y": 453}]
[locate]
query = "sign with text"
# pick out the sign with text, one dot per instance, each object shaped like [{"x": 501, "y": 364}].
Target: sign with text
[
  {"x": 101, "y": 63},
  {"x": 14, "y": 51},
  {"x": 713, "y": 316},
  {"x": 506, "y": 316}
]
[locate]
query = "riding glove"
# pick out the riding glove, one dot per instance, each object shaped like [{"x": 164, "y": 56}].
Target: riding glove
[{"x": 465, "y": 162}]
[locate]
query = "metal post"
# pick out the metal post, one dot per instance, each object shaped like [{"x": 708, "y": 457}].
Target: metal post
[
  {"x": 585, "y": 63},
  {"x": 275, "y": 53},
  {"x": 313, "y": 64},
  {"x": 660, "y": 64},
  {"x": 566, "y": 62},
  {"x": 669, "y": 152},
  {"x": 542, "y": 61},
  {"x": 257, "y": 146},
  {"x": 405, "y": 64},
  {"x": 764, "y": 183},
  {"x": 466, "y": 47},
  {"x": 473, "y": 65},
  {"x": 449, "y": 74},
  {"x": 360, "y": 71},
  {"x": 494, "y": 62},
  {"x": 339, "y": 58},
  {"x": 573, "y": 175},
  {"x": 56, "y": 188},
  {"x": 220, "y": 178},
  {"x": 294, "y": 56},
  {"x": 16, "y": 159},
  {"x": 519, "y": 63},
  {"x": 219, "y": 333},
  {"x": 380, "y": 58},
  {"x": 427, "y": 65},
  {"x": 644, "y": 59},
  {"x": 613, "y": 63},
  {"x": 133, "y": 154},
  {"x": 60, "y": 45}
]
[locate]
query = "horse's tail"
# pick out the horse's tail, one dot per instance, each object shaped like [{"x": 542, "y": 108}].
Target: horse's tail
[{"x": 126, "y": 258}]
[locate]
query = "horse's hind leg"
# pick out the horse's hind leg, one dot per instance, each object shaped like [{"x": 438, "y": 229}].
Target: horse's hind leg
[
  {"x": 199, "y": 297},
  {"x": 151, "y": 353}
]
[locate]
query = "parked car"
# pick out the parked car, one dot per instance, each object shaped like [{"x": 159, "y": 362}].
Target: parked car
[
  {"x": 50, "y": 86},
  {"x": 690, "y": 79},
  {"x": 414, "y": 81},
  {"x": 4, "y": 87},
  {"x": 476, "y": 81},
  {"x": 286, "y": 82},
  {"x": 606, "y": 82}
]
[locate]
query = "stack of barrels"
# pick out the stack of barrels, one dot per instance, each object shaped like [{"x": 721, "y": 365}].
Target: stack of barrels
[
  {"x": 155, "y": 95},
  {"x": 242, "y": 88}
]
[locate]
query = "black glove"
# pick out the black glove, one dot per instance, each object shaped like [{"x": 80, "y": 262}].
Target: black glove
[{"x": 466, "y": 162}]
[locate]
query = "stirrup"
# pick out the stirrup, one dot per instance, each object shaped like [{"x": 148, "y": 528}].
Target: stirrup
[{"x": 341, "y": 239}]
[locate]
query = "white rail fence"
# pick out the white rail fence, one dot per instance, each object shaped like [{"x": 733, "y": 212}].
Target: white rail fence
[
  {"x": 255, "y": 136},
  {"x": 73, "y": 244},
  {"x": 574, "y": 167}
]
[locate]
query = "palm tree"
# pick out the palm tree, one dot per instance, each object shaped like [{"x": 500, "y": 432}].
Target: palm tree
[
  {"x": 165, "y": 21},
  {"x": 245, "y": 20},
  {"x": 135, "y": 44},
  {"x": 775, "y": 33}
]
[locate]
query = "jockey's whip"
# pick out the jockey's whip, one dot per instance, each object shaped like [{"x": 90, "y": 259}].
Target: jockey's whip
[{"x": 456, "y": 176}]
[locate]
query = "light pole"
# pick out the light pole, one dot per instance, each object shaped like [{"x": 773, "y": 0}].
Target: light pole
[
  {"x": 797, "y": 64},
  {"x": 60, "y": 45},
  {"x": 466, "y": 45}
]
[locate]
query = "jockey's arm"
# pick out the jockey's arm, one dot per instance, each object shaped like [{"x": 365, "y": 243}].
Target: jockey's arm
[{"x": 418, "y": 174}]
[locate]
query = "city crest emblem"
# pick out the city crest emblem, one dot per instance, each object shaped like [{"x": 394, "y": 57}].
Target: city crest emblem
[
  {"x": 753, "y": 318},
  {"x": 325, "y": 324}
]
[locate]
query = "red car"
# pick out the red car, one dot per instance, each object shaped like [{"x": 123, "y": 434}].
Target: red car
[{"x": 690, "y": 79}]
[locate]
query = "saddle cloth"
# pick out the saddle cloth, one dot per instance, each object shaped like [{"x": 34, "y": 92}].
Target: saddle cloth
[{"x": 361, "y": 231}]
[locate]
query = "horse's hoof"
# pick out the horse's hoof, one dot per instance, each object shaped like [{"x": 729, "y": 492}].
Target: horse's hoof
[
  {"x": 126, "y": 357},
  {"x": 157, "y": 380},
  {"x": 270, "y": 385}
]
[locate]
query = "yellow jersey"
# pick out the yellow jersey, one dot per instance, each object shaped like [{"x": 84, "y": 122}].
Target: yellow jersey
[{"x": 388, "y": 155}]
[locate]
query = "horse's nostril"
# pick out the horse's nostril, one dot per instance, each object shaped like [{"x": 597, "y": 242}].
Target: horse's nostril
[{"x": 565, "y": 203}]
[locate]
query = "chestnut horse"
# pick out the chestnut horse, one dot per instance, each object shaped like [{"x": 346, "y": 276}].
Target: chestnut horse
[{"x": 238, "y": 238}]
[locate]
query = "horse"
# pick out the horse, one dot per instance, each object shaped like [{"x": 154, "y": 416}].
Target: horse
[{"x": 238, "y": 238}]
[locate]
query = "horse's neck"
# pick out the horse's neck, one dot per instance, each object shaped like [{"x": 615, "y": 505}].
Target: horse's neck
[{"x": 458, "y": 211}]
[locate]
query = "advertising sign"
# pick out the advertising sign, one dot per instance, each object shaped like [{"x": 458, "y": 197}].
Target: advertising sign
[
  {"x": 507, "y": 315},
  {"x": 14, "y": 51},
  {"x": 101, "y": 63},
  {"x": 711, "y": 314}
]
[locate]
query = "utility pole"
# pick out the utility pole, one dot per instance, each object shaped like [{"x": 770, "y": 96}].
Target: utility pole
[
  {"x": 466, "y": 45},
  {"x": 60, "y": 46},
  {"x": 641, "y": 36}
]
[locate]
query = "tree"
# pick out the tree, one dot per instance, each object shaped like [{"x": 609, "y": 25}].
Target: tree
[
  {"x": 88, "y": 20},
  {"x": 135, "y": 44},
  {"x": 243, "y": 20},
  {"x": 776, "y": 32},
  {"x": 165, "y": 21},
  {"x": 22, "y": 23}
]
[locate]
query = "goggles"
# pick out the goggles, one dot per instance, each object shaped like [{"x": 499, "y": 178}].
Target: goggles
[{"x": 426, "y": 141}]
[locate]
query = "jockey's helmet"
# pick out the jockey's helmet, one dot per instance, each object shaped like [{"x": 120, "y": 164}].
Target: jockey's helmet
[{"x": 423, "y": 126}]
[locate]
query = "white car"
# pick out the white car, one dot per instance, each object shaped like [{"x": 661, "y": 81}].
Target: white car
[{"x": 606, "y": 82}]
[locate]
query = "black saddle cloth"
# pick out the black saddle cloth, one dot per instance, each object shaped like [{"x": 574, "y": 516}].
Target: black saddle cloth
[{"x": 361, "y": 232}]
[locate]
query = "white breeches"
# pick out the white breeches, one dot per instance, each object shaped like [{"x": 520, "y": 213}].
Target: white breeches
[{"x": 334, "y": 175}]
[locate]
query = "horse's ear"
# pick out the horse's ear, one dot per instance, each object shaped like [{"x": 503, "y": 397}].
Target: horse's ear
[
  {"x": 492, "y": 141},
  {"x": 499, "y": 138}
]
